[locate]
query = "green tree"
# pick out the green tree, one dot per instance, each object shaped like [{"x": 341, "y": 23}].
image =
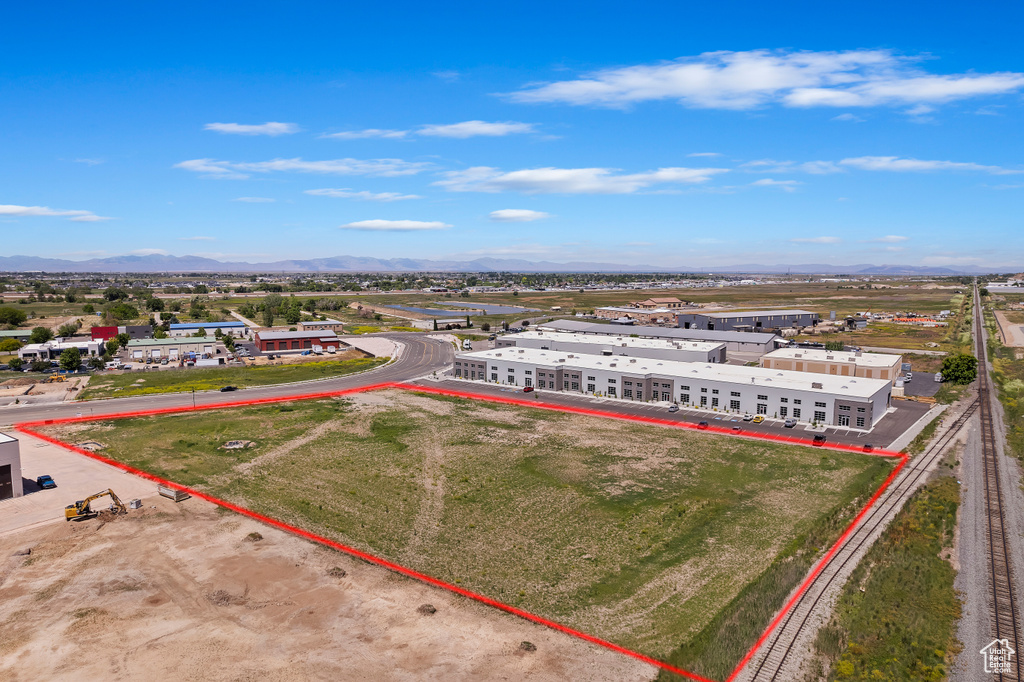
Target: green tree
[
  {"x": 122, "y": 340},
  {"x": 40, "y": 365},
  {"x": 983, "y": 292},
  {"x": 9, "y": 315},
  {"x": 96, "y": 362},
  {"x": 155, "y": 304},
  {"x": 159, "y": 333},
  {"x": 15, "y": 363},
  {"x": 961, "y": 368},
  {"x": 9, "y": 345},
  {"x": 69, "y": 329},
  {"x": 88, "y": 309},
  {"x": 124, "y": 311},
  {"x": 292, "y": 316},
  {"x": 115, "y": 294},
  {"x": 69, "y": 297},
  {"x": 70, "y": 359},
  {"x": 40, "y": 335},
  {"x": 833, "y": 345},
  {"x": 268, "y": 317},
  {"x": 112, "y": 346},
  {"x": 486, "y": 326}
]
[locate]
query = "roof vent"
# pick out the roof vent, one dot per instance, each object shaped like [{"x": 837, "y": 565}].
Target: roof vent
[{"x": 816, "y": 384}]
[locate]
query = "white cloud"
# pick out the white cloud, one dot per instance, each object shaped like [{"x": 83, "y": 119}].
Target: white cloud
[
  {"x": 37, "y": 211},
  {"x": 230, "y": 170},
  {"x": 745, "y": 80},
  {"x": 149, "y": 252},
  {"x": 517, "y": 215},
  {"x": 463, "y": 130},
  {"x": 476, "y": 129},
  {"x": 704, "y": 154},
  {"x": 773, "y": 166},
  {"x": 368, "y": 133},
  {"x": 816, "y": 240},
  {"x": 568, "y": 180},
  {"x": 255, "y": 200},
  {"x": 890, "y": 239},
  {"x": 896, "y": 164},
  {"x": 197, "y": 239},
  {"x": 395, "y": 225},
  {"x": 848, "y": 117},
  {"x": 271, "y": 128},
  {"x": 785, "y": 185},
  {"x": 346, "y": 193}
]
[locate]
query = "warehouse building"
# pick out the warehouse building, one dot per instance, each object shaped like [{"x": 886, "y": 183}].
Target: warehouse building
[
  {"x": 641, "y": 315},
  {"x": 836, "y": 363},
  {"x": 51, "y": 350},
  {"x": 10, "y": 468},
  {"x": 174, "y": 350},
  {"x": 751, "y": 320},
  {"x": 234, "y": 328},
  {"x": 619, "y": 346},
  {"x": 757, "y": 343},
  {"x": 16, "y": 334},
  {"x": 284, "y": 341},
  {"x": 134, "y": 331},
  {"x": 670, "y": 302},
  {"x": 823, "y": 399},
  {"x": 322, "y": 326}
]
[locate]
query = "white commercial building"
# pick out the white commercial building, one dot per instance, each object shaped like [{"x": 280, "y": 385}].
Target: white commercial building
[
  {"x": 625, "y": 346},
  {"x": 10, "y": 467},
  {"x": 740, "y": 342},
  {"x": 51, "y": 350},
  {"x": 823, "y": 399},
  {"x": 836, "y": 363}
]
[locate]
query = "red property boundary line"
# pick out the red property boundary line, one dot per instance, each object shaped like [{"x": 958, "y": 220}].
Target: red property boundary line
[{"x": 29, "y": 428}]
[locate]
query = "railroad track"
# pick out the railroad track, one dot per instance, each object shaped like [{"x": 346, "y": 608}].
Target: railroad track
[
  {"x": 769, "y": 663},
  {"x": 1003, "y": 605}
]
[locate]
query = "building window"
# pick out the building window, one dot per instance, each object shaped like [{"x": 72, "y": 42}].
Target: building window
[
  {"x": 458, "y": 372},
  {"x": 685, "y": 388},
  {"x": 575, "y": 385},
  {"x": 458, "y": 364},
  {"x": 796, "y": 401},
  {"x": 703, "y": 390},
  {"x": 783, "y": 411},
  {"x": 591, "y": 379},
  {"x": 542, "y": 384},
  {"x": 630, "y": 383},
  {"x": 817, "y": 404},
  {"x": 666, "y": 396},
  {"x": 783, "y": 400},
  {"x": 796, "y": 413},
  {"x": 860, "y": 422},
  {"x": 844, "y": 408},
  {"x": 655, "y": 384},
  {"x": 734, "y": 405},
  {"x": 819, "y": 415},
  {"x": 844, "y": 420},
  {"x": 611, "y": 390},
  {"x": 860, "y": 409},
  {"x": 612, "y": 381},
  {"x": 591, "y": 388},
  {"x": 528, "y": 382},
  {"x": 472, "y": 375},
  {"x": 684, "y": 398},
  {"x": 714, "y": 391},
  {"x": 494, "y": 377},
  {"x": 762, "y": 408},
  {"x": 529, "y": 372},
  {"x": 735, "y": 394},
  {"x": 627, "y": 393},
  {"x": 762, "y": 397}
]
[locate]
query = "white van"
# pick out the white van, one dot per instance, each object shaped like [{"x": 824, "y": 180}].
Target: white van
[{"x": 467, "y": 344}]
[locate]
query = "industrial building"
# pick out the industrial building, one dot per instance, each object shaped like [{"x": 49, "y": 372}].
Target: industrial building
[
  {"x": 322, "y": 326},
  {"x": 837, "y": 363},
  {"x": 750, "y": 320},
  {"x": 134, "y": 331},
  {"x": 823, "y": 399},
  {"x": 619, "y": 346},
  {"x": 174, "y": 350},
  {"x": 670, "y": 302},
  {"x": 283, "y": 341},
  {"x": 641, "y": 315},
  {"x": 234, "y": 328},
  {"x": 17, "y": 334},
  {"x": 10, "y": 468},
  {"x": 757, "y": 343},
  {"x": 51, "y": 350}
]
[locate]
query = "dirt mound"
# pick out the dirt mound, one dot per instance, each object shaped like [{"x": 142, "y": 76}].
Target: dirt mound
[{"x": 426, "y": 610}]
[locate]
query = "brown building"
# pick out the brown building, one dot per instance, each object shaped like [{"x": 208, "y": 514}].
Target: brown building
[{"x": 670, "y": 302}]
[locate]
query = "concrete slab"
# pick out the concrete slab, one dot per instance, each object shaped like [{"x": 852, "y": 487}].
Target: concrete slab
[{"x": 77, "y": 477}]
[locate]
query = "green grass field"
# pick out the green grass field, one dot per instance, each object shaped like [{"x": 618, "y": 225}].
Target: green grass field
[
  {"x": 184, "y": 380},
  {"x": 639, "y": 534}
]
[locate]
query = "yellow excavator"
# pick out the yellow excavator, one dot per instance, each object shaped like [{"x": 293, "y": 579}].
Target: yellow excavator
[{"x": 83, "y": 508}]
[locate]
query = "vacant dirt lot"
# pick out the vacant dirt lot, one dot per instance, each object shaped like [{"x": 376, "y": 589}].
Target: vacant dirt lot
[{"x": 183, "y": 591}]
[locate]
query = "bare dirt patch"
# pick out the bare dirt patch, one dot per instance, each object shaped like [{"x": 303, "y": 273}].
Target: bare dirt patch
[{"x": 169, "y": 591}]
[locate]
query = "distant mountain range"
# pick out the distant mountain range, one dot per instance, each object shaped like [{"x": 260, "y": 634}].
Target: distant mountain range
[{"x": 159, "y": 264}]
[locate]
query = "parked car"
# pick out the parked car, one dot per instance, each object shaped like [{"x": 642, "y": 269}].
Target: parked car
[
  {"x": 228, "y": 389},
  {"x": 736, "y": 429},
  {"x": 758, "y": 418},
  {"x": 748, "y": 417},
  {"x": 702, "y": 425},
  {"x": 528, "y": 389},
  {"x": 673, "y": 408},
  {"x": 868, "y": 447},
  {"x": 790, "y": 423},
  {"x": 164, "y": 361},
  {"x": 819, "y": 439},
  {"x": 938, "y": 377},
  {"x": 907, "y": 378},
  {"x": 46, "y": 482}
]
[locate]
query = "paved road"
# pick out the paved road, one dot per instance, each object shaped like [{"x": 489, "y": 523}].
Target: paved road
[{"x": 419, "y": 357}]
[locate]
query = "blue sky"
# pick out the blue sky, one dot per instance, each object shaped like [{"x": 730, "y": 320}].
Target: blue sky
[{"x": 656, "y": 133}]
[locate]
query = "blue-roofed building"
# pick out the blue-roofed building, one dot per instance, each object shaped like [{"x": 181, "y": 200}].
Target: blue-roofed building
[{"x": 232, "y": 328}]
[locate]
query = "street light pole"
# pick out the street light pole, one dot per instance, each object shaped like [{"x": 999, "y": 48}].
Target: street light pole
[{"x": 193, "y": 398}]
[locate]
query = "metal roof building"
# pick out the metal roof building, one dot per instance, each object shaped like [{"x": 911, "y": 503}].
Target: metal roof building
[
  {"x": 743, "y": 342},
  {"x": 619, "y": 346}
]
